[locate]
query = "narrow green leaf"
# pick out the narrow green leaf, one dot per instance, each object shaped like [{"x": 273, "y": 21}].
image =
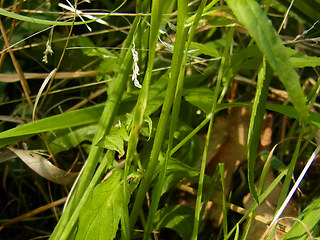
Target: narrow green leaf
[
  {"x": 224, "y": 208},
  {"x": 209, "y": 49},
  {"x": 258, "y": 110},
  {"x": 72, "y": 139},
  {"x": 177, "y": 57},
  {"x": 75, "y": 118},
  {"x": 157, "y": 10},
  {"x": 39, "y": 21},
  {"x": 204, "y": 103},
  {"x": 254, "y": 19},
  {"x": 309, "y": 218},
  {"x": 100, "y": 215},
  {"x": 65, "y": 120},
  {"x": 300, "y": 60}
]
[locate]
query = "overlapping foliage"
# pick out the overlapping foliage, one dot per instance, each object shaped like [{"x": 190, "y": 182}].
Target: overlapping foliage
[{"x": 210, "y": 73}]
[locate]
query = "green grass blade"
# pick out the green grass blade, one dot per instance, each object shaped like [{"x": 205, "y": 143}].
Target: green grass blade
[
  {"x": 39, "y": 21},
  {"x": 156, "y": 17},
  {"x": 287, "y": 181},
  {"x": 224, "y": 208},
  {"x": 258, "y": 110},
  {"x": 176, "y": 67},
  {"x": 212, "y": 113},
  {"x": 50, "y": 22},
  {"x": 254, "y": 19},
  {"x": 66, "y": 120},
  {"x": 106, "y": 119},
  {"x": 255, "y": 205}
]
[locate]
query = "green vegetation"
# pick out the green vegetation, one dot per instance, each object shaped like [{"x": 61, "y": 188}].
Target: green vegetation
[{"x": 159, "y": 119}]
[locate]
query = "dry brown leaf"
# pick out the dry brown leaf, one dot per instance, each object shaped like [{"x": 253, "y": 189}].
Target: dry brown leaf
[
  {"x": 45, "y": 168},
  {"x": 232, "y": 132},
  {"x": 266, "y": 209}
]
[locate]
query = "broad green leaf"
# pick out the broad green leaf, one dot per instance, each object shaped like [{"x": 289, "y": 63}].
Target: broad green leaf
[
  {"x": 310, "y": 218},
  {"x": 108, "y": 65},
  {"x": 178, "y": 218},
  {"x": 100, "y": 215},
  {"x": 200, "y": 97},
  {"x": 259, "y": 27},
  {"x": 203, "y": 97},
  {"x": 221, "y": 21},
  {"x": 112, "y": 142},
  {"x": 249, "y": 58},
  {"x": 72, "y": 139},
  {"x": 115, "y": 139},
  {"x": 246, "y": 58}
]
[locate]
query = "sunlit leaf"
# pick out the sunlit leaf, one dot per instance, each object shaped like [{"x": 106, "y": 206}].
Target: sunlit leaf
[
  {"x": 310, "y": 221},
  {"x": 100, "y": 216},
  {"x": 249, "y": 13}
]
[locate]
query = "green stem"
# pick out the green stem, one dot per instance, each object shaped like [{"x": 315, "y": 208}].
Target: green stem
[
  {"x": 286, "y": 184},
  {"x": 190, "y": 135},
  {"x": 177, "y": 75},
  {"x": 156, "y": 16},
  {"x": 205, "y": 151},
  {"x": 109, "y": 156},
  {"x": 104, "y": 126}
]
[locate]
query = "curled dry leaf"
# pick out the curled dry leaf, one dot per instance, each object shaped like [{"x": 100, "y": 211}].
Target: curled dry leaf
[
  {"x": 267, "y": 209},
  {"x": 45, "y": 168}
]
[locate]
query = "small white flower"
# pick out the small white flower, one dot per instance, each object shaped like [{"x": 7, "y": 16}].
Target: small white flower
[
  {"x": 135, "y": 67},
  {"x": 48, "y": 47}
]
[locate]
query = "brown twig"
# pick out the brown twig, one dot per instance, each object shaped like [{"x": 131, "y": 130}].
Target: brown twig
[
  {"x": 12, "y": 77},
  {"x": 18, "y": 68},
  {"x": 13, "y": 24}
]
